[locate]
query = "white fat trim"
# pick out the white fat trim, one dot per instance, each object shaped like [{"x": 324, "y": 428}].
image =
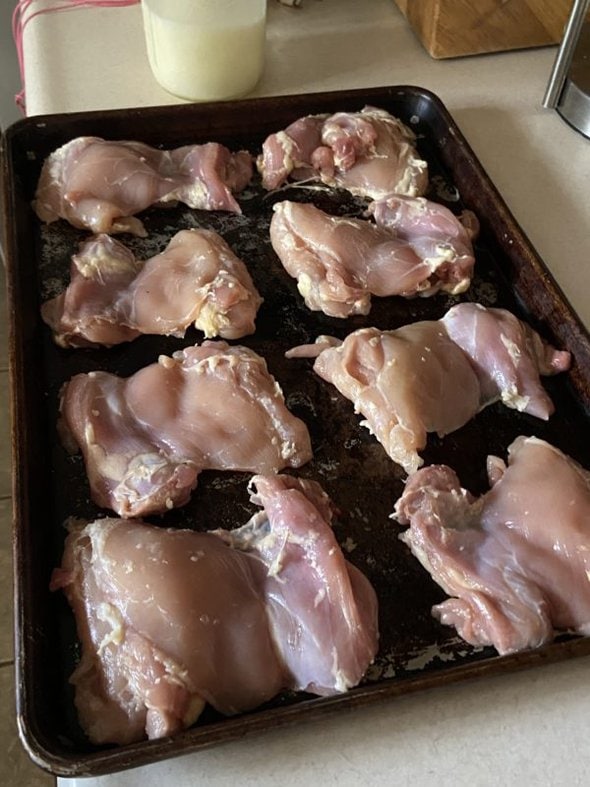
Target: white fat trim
[
  {"x": 512, "y": 398},
  {"x": 513, "y": 349},
  {"x": 195, "y": 196},
  {"x": 341, "y": 683},
  {"x": 111, "y": 615}
]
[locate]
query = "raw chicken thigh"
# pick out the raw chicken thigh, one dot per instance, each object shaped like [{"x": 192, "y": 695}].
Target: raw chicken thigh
[
  {"x": 172, "y": 619},
  {"x": 322, "y": 610},
  {"x": 405, "y": 383},
  {"x": 508, "y": 356},
  {"x": 425, "y": 378},
  {"x": 146, "y": 438},
  {"x": 416, "y": 247},
  {"x": 113, "y": 297},
  {"x": 516, "y": 561},
  {"x": 100, "y": 185},
  {"x": 438, "y": 237},
  {"x": 369, "y": 153}
]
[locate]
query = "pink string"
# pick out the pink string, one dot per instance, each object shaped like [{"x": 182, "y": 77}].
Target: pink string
[{"x": 24, "y": 12}]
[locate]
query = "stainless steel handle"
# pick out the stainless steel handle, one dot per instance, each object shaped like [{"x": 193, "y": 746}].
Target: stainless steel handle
[{"x": 565, "y": 53}]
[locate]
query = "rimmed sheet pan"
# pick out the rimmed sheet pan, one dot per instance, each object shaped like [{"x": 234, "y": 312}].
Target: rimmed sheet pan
[{"x": 49, "y": 486}]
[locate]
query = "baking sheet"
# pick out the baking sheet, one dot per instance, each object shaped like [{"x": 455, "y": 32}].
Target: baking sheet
[{"x": 415, "y": 651}]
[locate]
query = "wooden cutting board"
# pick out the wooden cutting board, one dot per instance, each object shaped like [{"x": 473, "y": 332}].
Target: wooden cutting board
[{"x": 449, "y": 28}]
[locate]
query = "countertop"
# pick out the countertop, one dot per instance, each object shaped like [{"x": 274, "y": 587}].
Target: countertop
[{"x": 528, "y": 727}]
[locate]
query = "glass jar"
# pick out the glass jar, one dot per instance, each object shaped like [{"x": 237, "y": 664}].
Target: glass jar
[{"x": 205, "y": 50}]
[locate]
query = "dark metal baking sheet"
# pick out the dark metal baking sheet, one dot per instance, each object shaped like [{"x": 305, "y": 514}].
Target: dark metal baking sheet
[{"x": 415, "y": 651}]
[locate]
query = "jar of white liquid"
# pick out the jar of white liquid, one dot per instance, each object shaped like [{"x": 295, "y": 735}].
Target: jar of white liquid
[{"x": 205, "y": 50}]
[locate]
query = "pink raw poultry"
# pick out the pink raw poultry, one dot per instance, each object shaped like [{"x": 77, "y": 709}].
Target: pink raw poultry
[
  {"x": 172, "y": 619},
  {"x": 516, "y": 561},
  {"x": 100, "y": 185},
  {"x": 113, "y": 297}
]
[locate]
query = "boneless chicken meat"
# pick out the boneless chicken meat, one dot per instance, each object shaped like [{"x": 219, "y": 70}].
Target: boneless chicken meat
[
  {"x": 508, "y": 357},
  {"x": 434, "y": 376},
  {"x": 433, "y": 231},
  {"x": 146, "y": 438},
  {"x": 415, "y": 247},
  {"x": 515, "y": 561},
  {"x": 114, "y": 297},
  {"x": 369, "y": 153},
  {"x": 100, "y": 185},
  {"x": 172, "y": 619}
]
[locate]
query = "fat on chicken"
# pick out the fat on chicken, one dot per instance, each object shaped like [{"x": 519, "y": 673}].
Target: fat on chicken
[
  {"x": 516, "y": 561},
  {"x": 370, "y": 153},
  {"x": 100, "y": 185},
  {"x": 113, "y": 297},
  {"x": 427, "y": 377},
  {"x": 146, "y": 438},
  {"x": 170, "y": 620},
  {"x": 416, "y": 247}
]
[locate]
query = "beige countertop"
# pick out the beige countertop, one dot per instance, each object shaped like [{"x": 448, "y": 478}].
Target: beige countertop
[{"x": 525, "y": 728}]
